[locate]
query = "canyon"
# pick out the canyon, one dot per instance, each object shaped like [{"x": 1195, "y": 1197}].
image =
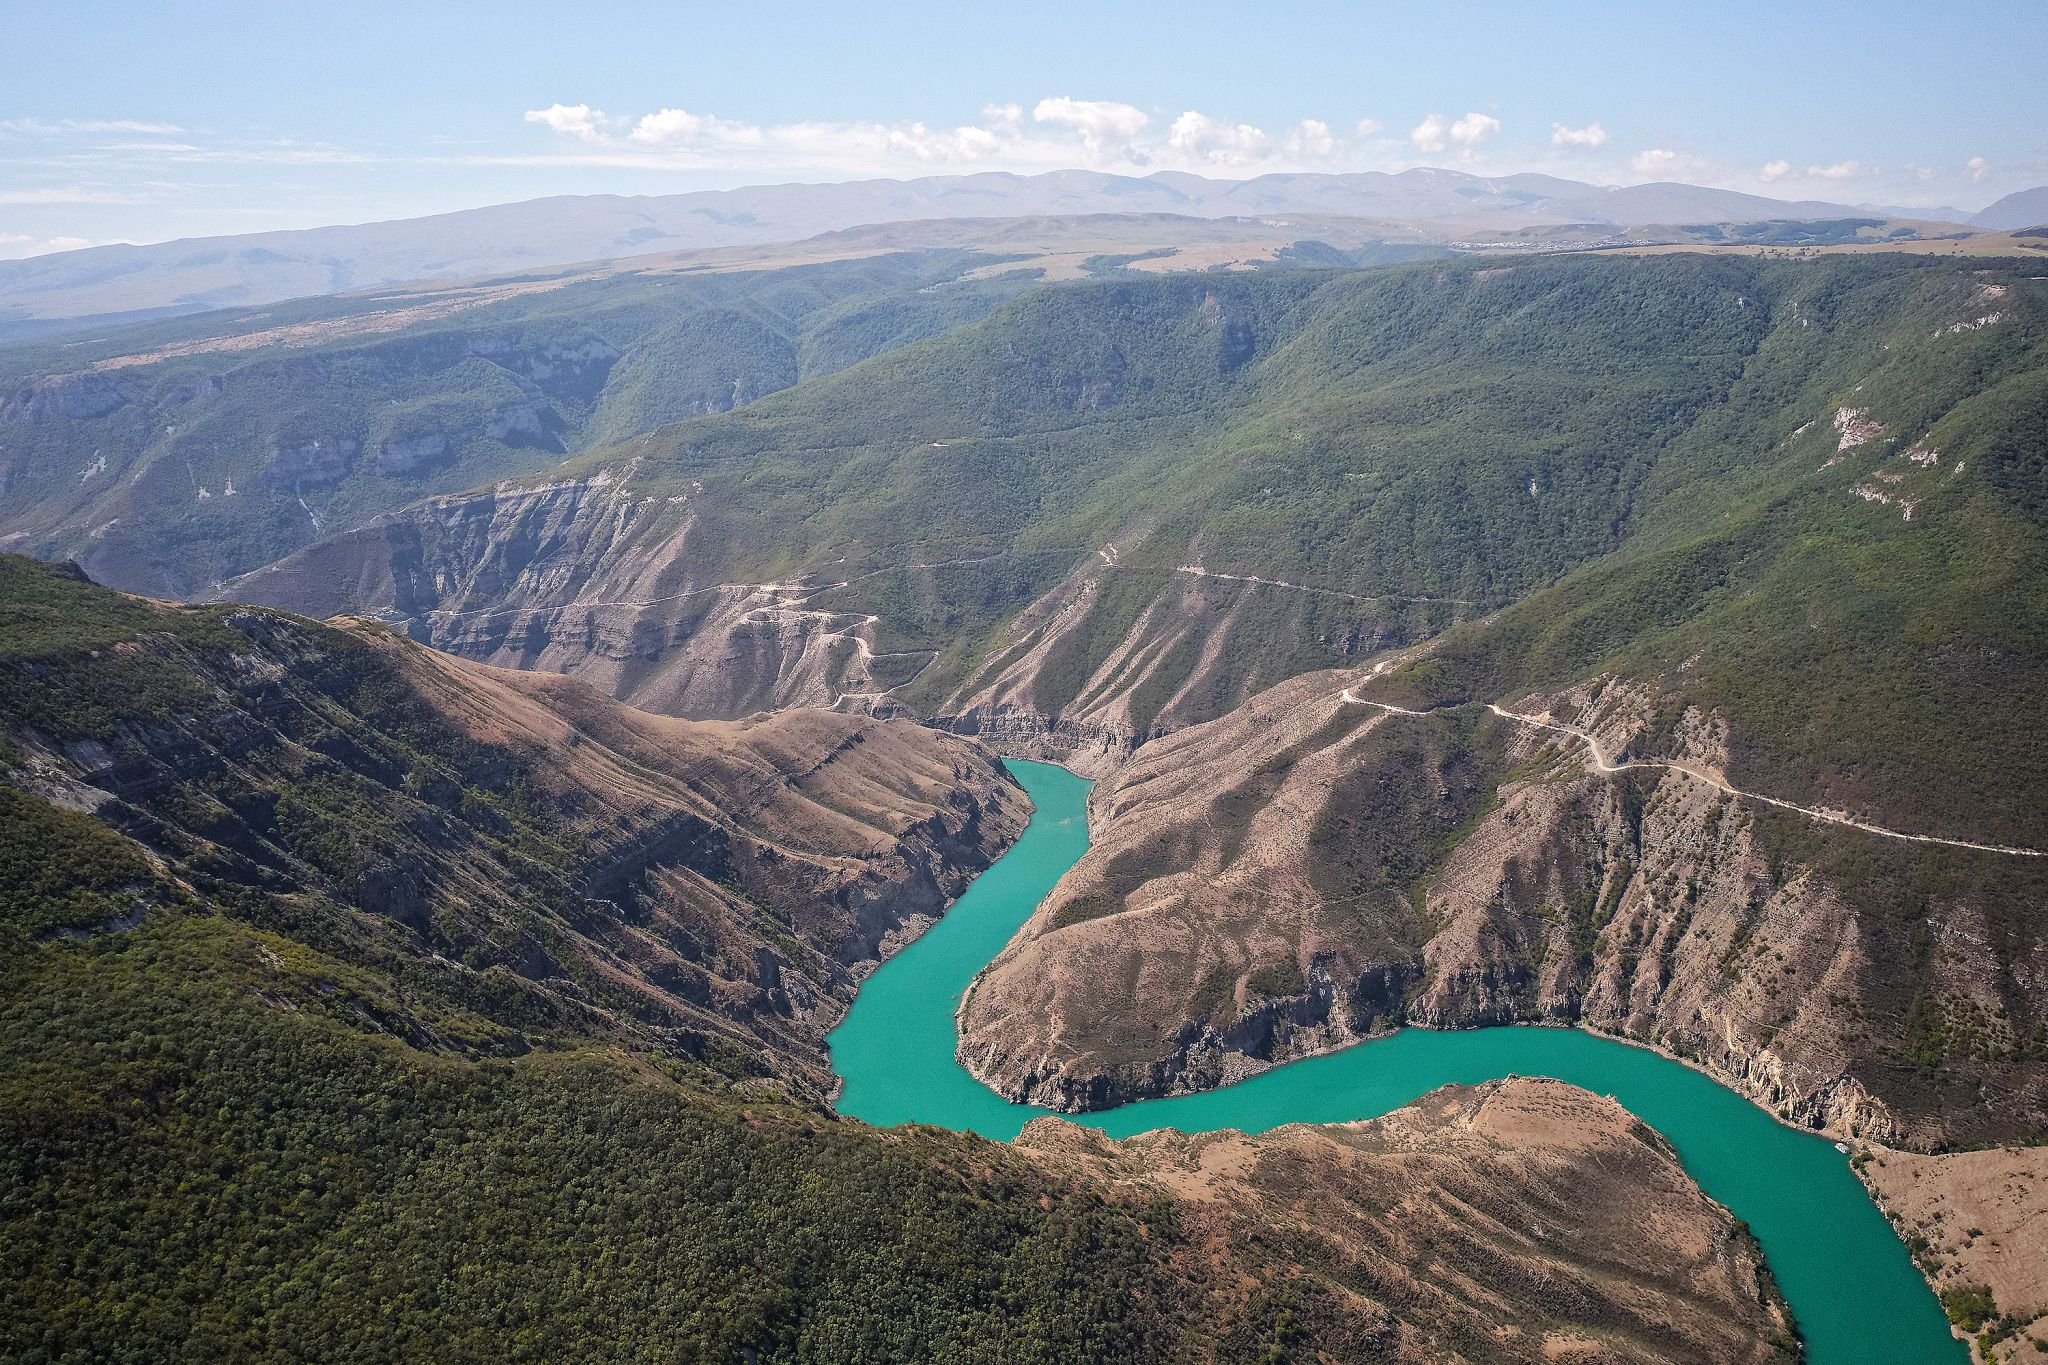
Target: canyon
[
  {"x": 1311, "y": 871},
  {"x": 1642, "y": 645}
]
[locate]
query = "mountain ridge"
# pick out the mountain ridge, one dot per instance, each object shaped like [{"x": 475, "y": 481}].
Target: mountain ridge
[
  {"x": 198, "y": 273},
  {"x": 2020, "y": 209}
]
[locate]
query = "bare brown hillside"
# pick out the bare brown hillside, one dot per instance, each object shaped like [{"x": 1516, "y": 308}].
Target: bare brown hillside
[
  {"x": 1455, "y": 1228},
  {"x": 1309, "y": 871},
  {"x": 1976, "y": 1220},
  {"x": 517, "y": 847}
]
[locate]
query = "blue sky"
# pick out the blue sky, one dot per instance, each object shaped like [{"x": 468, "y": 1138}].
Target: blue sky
[{"x": 142, "y": 122}]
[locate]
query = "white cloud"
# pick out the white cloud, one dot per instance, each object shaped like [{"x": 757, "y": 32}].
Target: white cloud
[
  {"x": 1474, "y": 129},
  {"x": 1774, "y": 171},
  {"x": 571, "y": 120},
  {"x": 1977, "y": 166},
  {"x": 1310, "y": 138},
  {"x": 1655, "y": 161},
  {"x": 1197, "y": 138},
  {"x": 706, "y": 139},
  {"x": 965, "y": 143},
  {"x": 663, "y": 125},
  {"x": 682, "y": 126},
  {"x": 1592, "y": 135},
  {"x": 53, "y": 127},
  {"x": 1055, "y": 132},
  {"x": 15, "y": 245},
  {"x": 1840, "y": 170},
  {"x": 1468, "y": 132},
  {"x": 1106, "y": 127}
]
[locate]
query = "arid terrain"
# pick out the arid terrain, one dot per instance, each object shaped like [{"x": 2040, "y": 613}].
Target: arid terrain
[
  {"x": 1309, "y": 871},
  {"x": 1975, "y": 1220},
  {"x": 1458, "y": 1224}
]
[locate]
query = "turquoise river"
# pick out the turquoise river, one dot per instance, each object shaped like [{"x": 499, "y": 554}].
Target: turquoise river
[{"x": 1851, "y": 1286}]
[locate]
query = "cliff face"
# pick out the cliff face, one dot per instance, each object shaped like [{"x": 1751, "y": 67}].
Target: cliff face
[
  {"x": 1310, "y": 871},
  {"x": 1458, "y": 1227},
  {"x": 583, "y": 578},
  {"x": 1204, "y": 887},
  {"x": 522, "y": 845},
  {"x": 589, "y": 578},
  {"x": 1141, "y": 640}
]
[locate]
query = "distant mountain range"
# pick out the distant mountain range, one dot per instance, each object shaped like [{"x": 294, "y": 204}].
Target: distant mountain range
[
  {"x": 2025, "y": 208},
  {"x": 169, "y": 278}
]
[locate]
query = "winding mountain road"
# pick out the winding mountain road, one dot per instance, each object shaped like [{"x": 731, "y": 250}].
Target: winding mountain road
[{"x": 1601, "y": 763}]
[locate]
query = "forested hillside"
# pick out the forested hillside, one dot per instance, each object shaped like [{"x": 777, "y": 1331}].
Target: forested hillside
[
  {"x": 1053, "y": 515},
  {"x": 171, "y": 456},
  {"x": 1829, "y": 590},
  {"x": 362, "y": 1005}
]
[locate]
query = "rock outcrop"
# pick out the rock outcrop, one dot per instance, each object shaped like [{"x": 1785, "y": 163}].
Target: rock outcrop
[
  {"x": 586, "y": 579},
  {"x": 1137, "y": 642},
  {"x": 1310, "y": 871}
]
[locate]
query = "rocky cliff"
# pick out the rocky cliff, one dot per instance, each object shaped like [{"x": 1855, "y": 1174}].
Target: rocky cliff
[
  {"x": 515, "y": 842},
  {"x": 585, "y": 578},
  {"x": 1312, "y": 870},
  {"x": 1141, "y": 640}
]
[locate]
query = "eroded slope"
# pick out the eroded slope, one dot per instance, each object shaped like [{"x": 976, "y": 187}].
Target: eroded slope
[
  {"x": 709, "y": 888},
  {"x": 1312, "y": 870},
  {"x": 360, "y": 1000},
  {"x": 1461, "y": 1224}
]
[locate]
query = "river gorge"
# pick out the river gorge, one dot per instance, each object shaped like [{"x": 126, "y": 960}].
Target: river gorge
[{"x": 1849, "y": 1281}]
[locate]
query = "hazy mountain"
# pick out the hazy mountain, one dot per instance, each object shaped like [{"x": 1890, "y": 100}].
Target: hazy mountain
[
  {"x": 181, "y": 452},
  {"x": 215, "y": 272},
  {"x": 2022, "y": 208}
]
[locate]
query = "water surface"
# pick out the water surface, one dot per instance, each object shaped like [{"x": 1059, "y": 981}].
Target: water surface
[{"x": 1851, "y": 1285}]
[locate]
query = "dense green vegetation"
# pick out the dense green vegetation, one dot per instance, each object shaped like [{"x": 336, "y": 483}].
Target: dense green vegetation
[
  {"x": 291, "y": 772},
  {"x": 205, "y": 1160},
  {"x": 1864, "y": 660},
  {"x": 210, "y": 1152},
  {"x": 173, "y": 475},
  {"x": 249, "y": 1109},
  {"x": 60, "y": 870},
  {"x": 1642, "y": 454}
]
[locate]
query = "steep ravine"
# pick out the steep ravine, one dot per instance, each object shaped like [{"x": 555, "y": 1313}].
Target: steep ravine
[
  {"x": 1304, "y": 873},
  {"x": 582, "y": 578},
  {"x": 635, "y": 592},
  {"x": 509, "y": 840}
]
